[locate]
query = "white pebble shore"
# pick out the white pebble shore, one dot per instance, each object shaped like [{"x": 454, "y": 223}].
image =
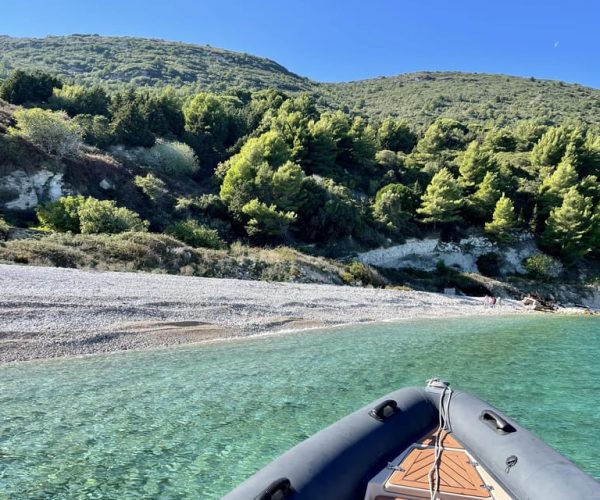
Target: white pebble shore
[{"x": 50, "y": 312}]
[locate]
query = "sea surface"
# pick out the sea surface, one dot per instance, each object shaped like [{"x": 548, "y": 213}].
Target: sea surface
[{"x": 192, "y": 422}]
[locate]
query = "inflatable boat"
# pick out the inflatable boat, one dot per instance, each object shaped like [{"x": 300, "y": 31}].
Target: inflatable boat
[{"x": 415, "y": 443}]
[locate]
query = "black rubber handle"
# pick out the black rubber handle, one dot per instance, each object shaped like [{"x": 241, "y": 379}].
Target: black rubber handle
[
  {"x": 384, "y": 410},
  {"x": 279, "y": 489},
  {"x": 496, "y": 422}
]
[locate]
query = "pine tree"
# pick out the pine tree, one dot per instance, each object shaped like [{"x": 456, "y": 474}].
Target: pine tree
[
  {"x": 393, "y": 205},
  {"x": 396, "y": 135},
  {"x": 442, "y": 199},
  {"x": 322, "y": 148},
  {"x": 476, "y": 163},
  {"x": 444, "y": 133},
  {"x": 572, "y": 228},
  {"x": 555, "y": 186},
  {"x": 286, "y": 186},
  {"x": 590, "y": 188},
  {"x": 550, "y": 148},
  {"x": 483, "y": 201},
  {"x": 129, "y": 124},
  {"x": 504, "y": 221}
]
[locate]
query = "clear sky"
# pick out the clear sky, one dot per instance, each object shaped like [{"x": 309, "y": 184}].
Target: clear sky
[{"x": 341, "y": 40}]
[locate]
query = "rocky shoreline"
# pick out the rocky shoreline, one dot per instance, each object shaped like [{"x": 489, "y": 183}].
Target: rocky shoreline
[{"x": 50, "y": 312}]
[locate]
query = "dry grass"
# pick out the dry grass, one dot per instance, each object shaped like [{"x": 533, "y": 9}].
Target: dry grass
[{"x": 161, "y": 253}]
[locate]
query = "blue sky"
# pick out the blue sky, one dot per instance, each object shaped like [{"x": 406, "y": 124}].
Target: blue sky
[{"x": 348, "y": 40}]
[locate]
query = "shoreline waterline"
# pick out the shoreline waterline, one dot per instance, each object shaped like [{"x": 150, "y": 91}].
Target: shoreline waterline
[{"x": 267, "y": 335}]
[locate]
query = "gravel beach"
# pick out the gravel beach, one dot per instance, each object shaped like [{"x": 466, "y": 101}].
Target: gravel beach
[{"x": 52, "y": 312}]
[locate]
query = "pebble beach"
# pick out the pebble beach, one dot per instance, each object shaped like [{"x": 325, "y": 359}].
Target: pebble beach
[{"x": 54, "y": 312}]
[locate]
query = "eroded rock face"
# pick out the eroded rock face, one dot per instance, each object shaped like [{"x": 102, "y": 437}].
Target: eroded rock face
[
  {"x": 592, "y": 299},
  {"x": 426, "y": 253},
  {"x": 31, "y": 189}
]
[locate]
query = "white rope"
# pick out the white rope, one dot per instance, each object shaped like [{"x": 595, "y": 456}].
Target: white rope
[{"x": 444, "y": 413}]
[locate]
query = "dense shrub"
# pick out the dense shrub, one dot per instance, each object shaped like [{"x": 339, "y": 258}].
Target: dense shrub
[
  {"x": 206, "y": 126},
  {"x": 89, "y": 216},
  {"x": 61, "y": 215},
  {"x": 153, "y": 187},
  {"x": 28, "y": 87},
  {"x": 4, "y": 227},
  {"x": 542, "y": 266},
  {"x": 95, "y": 129},
  {"x": 51, "y": 131},
  {"x": 357, "y": 273},
  {"x": 394, "y": 204},
  {"x": 130, "y": 125},
  {"x": 103, "y": 216},
  {"x": 396, "y": 135},
  {"x": 171, "y": 158},
  {"x": 196, "y": 235},
  {"x": 79, "y": 100},
  {"x": 212, "y": 205},
  {"x": 266, "y": 220}
]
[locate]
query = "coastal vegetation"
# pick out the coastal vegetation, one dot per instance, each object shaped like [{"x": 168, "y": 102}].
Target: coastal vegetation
[
  {"x": 203, "y": 171},
  {"x": 135, "y": 251}
]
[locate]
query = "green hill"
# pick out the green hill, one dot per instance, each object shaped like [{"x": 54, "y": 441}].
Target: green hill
[
  {"x": 117, "y": 60},
  {"x": 418, "y": 97},
  {"x": 469, "y": 97}
]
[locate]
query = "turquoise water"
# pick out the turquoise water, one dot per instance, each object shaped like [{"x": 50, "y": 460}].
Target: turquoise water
[{"x": 192, "y": 422}]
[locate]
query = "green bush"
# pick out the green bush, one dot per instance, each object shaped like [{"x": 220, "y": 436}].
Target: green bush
[
  {"x": 79, "y": 100},
  {"x": 51, "y": 131},
  {"x": 103, "y": 216},
  {"x": 24, "y": 87},
  {"x": 171, "y": 158},
  {"x": 4, "y": 227},
  {"x": 88, "y": 216},
  {"x": 212, "y": 205},
  {"x": 61, "y": 215},
  {"x": 196, "y": 235},
  {"x": 95, "y": 130},
  {"x": 357, "y": 273},
  {"x": 542, "y": 266},
  {"x": 394, "y": 205},
  {"x": 153, "y": 187},
  {"x": 266, "y": 219}
]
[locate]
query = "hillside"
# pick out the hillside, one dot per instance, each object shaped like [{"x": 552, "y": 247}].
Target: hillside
[
  {"x": 417, "y": 97},
  {"x": 469, "y": 97},
  {"x": 117, "y": 60},
  {"x": 210, "y": 179}
]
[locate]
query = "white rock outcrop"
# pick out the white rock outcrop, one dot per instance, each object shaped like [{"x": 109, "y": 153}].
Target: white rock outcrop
[
  {"x": 31, "y": 189},
  {"x": 426, "y": 253}
]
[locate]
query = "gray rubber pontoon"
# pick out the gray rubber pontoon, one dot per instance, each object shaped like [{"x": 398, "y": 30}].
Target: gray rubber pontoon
[{"x": 378, "y": 453}]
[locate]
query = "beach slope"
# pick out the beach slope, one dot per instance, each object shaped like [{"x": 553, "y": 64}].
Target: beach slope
[{"x": 53, "y": 312}]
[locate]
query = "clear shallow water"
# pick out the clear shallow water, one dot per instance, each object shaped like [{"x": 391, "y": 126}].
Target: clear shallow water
[{"x": 193, "y": 422}]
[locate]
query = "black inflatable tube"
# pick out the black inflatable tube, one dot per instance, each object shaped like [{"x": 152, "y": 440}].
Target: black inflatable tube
[{"x": 337, "y": 462}]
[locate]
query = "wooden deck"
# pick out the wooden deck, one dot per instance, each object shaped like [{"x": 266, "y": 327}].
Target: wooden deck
[{"x": 460, "y": 476}]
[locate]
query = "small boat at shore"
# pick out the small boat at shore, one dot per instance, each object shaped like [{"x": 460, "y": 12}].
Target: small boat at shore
[{"x": 432, "y": 442}]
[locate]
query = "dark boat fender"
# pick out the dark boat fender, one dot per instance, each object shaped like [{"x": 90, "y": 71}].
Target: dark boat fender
[
  {"x": 338, "y": 462},
  {"x": 525, "y": 465}
]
